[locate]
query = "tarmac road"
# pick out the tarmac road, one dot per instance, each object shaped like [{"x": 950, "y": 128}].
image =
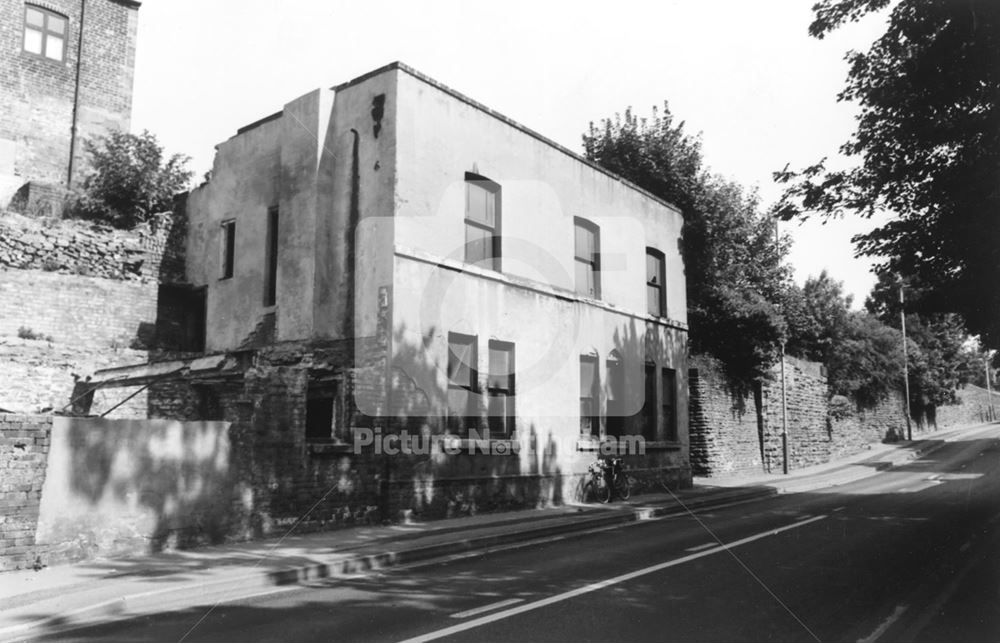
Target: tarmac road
[{"x": 908, "y": 554}]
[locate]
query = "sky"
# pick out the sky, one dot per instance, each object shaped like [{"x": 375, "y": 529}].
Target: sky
[{"x": 746, "y": 75}]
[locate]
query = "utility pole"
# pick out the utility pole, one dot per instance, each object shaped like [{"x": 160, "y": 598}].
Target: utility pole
[
  {"x": 784, "y": 416},
  {"x": 989, "y": 389},
  {"x": 906, "y": 362},
  {"x": 784, "y": 403}
]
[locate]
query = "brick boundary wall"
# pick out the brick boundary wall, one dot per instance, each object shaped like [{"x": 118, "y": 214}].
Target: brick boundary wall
[{"x": 24, "y": 449}]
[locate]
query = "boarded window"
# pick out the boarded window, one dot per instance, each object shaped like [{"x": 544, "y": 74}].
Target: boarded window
[
  {"x": 668, "y": 402},
  {"x": 616, "y": 397},
  {"x": 271, "y": 276},
  {"x": 649, "y": 402},
  {"x": 228, "y": 249}
]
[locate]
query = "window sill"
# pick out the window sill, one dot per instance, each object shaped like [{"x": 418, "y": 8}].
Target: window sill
[
  {"x": 32, "y": 55},
  {"x": 328, "y": 448},
  {"x": 452, "y": 444},
  {"x": 663, "y": 445}
]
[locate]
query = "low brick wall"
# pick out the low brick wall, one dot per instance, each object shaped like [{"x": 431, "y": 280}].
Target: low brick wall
[{"x": 24, "y": 449}]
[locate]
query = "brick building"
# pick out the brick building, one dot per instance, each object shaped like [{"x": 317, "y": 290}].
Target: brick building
[
  {"x": 390, "y": 256},
  {"x": 66, "y": 69}
]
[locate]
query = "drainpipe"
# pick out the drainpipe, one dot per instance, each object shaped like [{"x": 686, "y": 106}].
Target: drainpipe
[{"x": 76, "y": 97}]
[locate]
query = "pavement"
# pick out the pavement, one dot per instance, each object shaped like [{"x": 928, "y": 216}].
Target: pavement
[{"x": 72, "y": 596}]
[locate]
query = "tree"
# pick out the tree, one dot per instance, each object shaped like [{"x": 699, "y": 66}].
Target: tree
[
  {"x": 817, "y": 317},
  {"x": 943, "y": 356},
  {"x": 733, "y": 265},
  {"x": 129, "y": 179},
  {"x": 866, "y": 363},
  {"x": 928, "y": 145}
]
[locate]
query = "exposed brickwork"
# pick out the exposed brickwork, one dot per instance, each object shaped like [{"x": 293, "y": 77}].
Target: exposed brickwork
[
  {"x": 37, "y": 107},
  {"x": 37, "y": 375},
  {"x": 93, "y": 292},
  {"x": 24, "y": 448},
  {"x": 39, "y": 200},
  {"x": 83, "y": 311}
]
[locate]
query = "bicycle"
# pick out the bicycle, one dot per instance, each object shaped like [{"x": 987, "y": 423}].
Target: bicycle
[{"x": 607, "y": 479}]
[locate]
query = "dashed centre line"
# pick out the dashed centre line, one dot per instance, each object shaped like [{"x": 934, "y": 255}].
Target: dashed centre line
[
  {"x": 487, "y": 608},
  {"x": 700, "y": 547}
]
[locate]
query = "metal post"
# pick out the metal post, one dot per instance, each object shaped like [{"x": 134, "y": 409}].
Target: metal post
[
  {"x": 989, "y": 388},
  {"x": 784, "y": 416},
  {"x": 784, "y": 404},
  {"x": 906, "y": 363},
  {"x": 73, "y": 135}
]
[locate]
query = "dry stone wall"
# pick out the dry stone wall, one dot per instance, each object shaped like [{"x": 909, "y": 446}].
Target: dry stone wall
[{"x": 86, "y": 249}]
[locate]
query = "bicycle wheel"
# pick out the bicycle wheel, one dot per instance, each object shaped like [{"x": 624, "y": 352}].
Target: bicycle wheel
[
  {"x": 592, "y": 492},
  {"x": 622, "y": 487},
  {"x": 597, "y": 490}
]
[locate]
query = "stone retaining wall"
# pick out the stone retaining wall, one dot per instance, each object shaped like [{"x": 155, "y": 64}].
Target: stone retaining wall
[{"x": 742, "y": 433}]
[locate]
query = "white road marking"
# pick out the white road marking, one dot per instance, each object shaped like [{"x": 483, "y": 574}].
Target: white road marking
[
  {"x": 593, "y": 587},
  {"x": 966, "y": 546},
  {"x": 886, "y": 624},
  {"x": 487, "y": 608},
  {"x": 840, "y": 508},
  {"x": 800, "y": 519},
  {"x": 700, "y": 547}
]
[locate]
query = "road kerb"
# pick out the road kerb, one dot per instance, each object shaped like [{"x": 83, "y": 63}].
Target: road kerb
[{"x": 135, "y": 605}]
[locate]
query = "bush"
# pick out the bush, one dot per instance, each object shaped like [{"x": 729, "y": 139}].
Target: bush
[
  {"x": 26, "y": 333},
  {"x": 129, "y": 180}
]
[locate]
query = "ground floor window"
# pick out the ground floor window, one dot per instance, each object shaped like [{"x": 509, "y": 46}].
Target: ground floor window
[
  {"x": 500, "y": 389},
  {"x": 589, "y": 421},
  {"x": 323, "y": 412},
  {"x": 462, "y": 383}
]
